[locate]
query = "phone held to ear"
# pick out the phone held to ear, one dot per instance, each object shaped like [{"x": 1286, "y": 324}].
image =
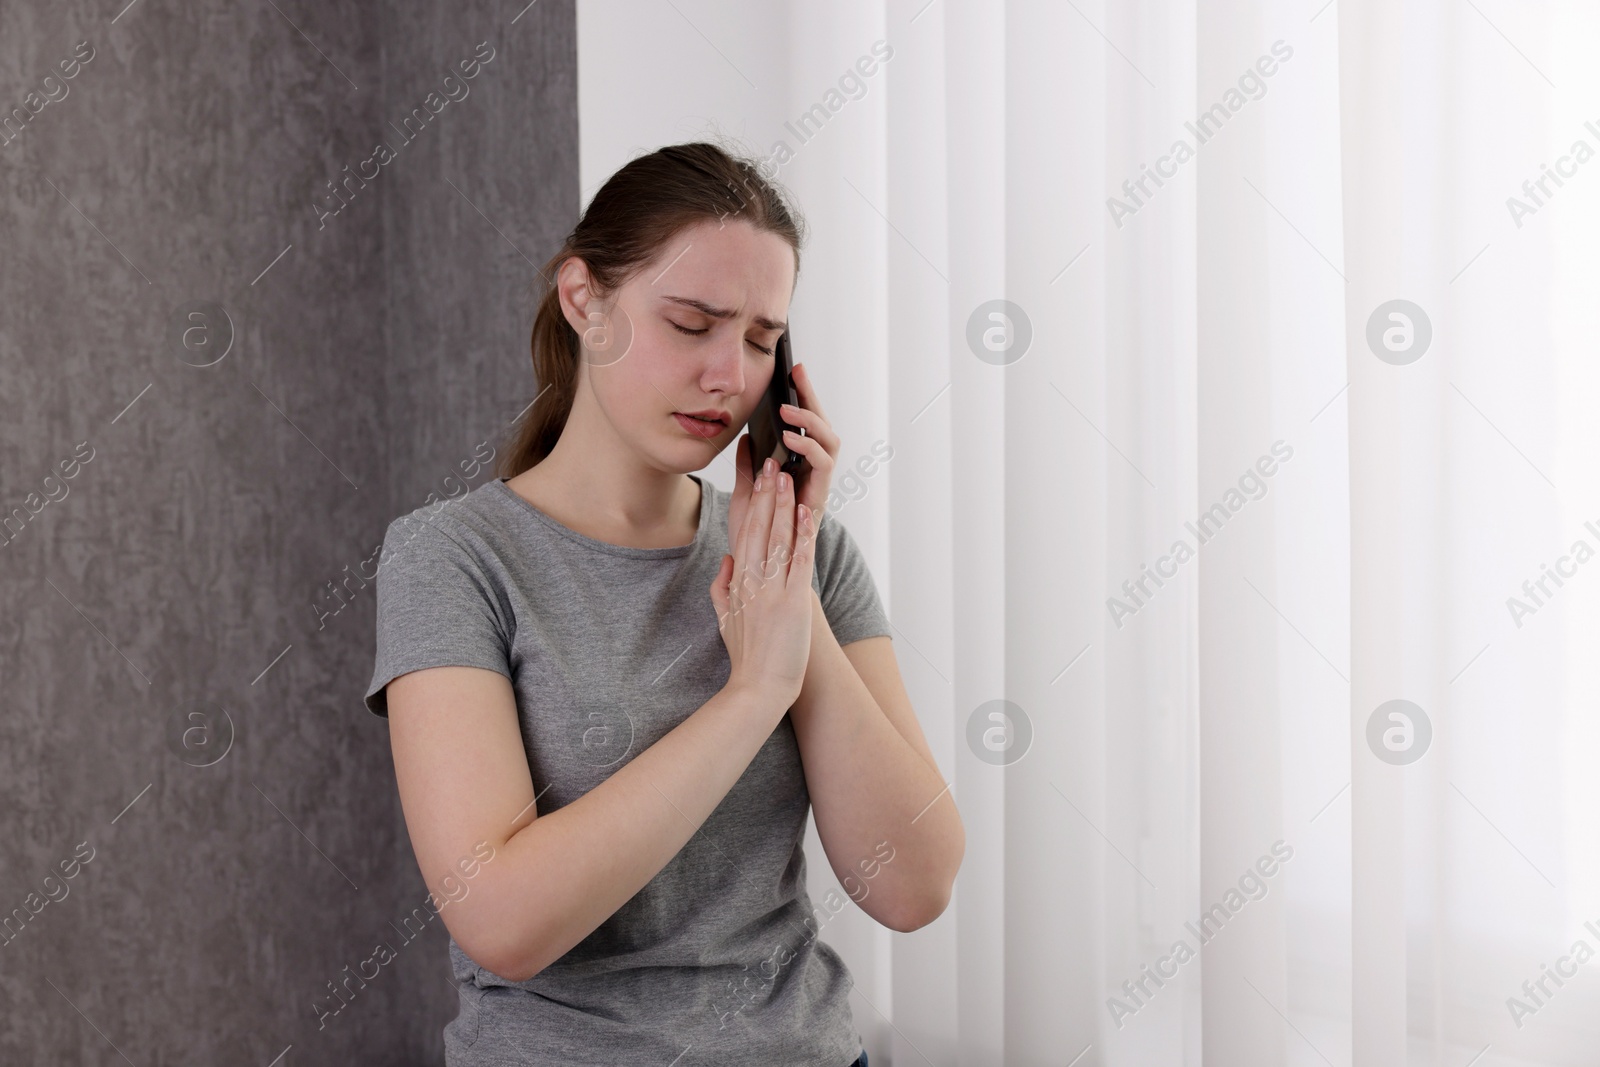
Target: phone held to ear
[{"x": 766, "y": 424}]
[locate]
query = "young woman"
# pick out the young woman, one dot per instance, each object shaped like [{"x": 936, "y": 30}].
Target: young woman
[{"x": 613, "y": 689}]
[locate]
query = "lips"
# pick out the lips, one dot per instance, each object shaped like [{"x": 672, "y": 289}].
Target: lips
[{"x": 701, "y": 427}]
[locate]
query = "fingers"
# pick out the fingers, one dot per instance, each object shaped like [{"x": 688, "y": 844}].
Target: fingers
[
  {"x": 750, "y": 567},
  {"x": 780, "y": 547},
  {"x": 813, "y": 449},
  {"x": 719, "y": 589},
  {"x": 814, "y": 423},
  {"x": 803, "y": 557},
  {"x": 762, "y": 509},
  {"x": 742, "y": 481},
  {"x": 775, "y": 543}
]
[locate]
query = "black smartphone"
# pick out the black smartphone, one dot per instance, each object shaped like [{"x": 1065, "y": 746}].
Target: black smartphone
[{"x": 766, "y": 423}]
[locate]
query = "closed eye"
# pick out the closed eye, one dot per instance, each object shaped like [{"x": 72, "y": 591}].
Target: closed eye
[{"x": 697, "y": 333}]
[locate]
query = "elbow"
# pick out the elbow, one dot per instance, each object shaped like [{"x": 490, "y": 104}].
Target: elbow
[
  {"x": 510, "y": 967},
  {"x": 920, "y": 907},
  {"x": 512, "y": 962},
  {"x": 494, "y": 955},
  {"x": 493, "y": 943},
  {"x": 496, "y": 929},
  {"x": 917, "y": 913}
]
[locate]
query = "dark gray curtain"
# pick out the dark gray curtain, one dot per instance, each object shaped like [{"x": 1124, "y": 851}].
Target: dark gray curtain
[{"x": 236, "y": 338}]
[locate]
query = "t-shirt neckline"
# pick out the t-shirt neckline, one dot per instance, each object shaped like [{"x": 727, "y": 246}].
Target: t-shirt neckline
[{"x": 628, "y": 551}]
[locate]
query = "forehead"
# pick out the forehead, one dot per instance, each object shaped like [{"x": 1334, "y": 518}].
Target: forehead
[{"x": 728, "y": 265}]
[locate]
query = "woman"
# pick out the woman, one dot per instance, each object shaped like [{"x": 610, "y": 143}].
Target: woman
[{"x": 613, "y": 688}]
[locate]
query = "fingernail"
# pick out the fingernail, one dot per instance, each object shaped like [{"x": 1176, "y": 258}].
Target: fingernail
[
  {"x": 805, "y": 515},
  {"x": 783, "y": 482},
  {"x": 769, "y": 466}
]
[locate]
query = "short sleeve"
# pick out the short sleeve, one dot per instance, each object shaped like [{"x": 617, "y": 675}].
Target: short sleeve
[
  {"x": 437, "y": 607},
  {"x": 845, "y": 586}
]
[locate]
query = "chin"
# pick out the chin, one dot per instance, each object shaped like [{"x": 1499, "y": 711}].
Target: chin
[{"x": 689, "y": 457}]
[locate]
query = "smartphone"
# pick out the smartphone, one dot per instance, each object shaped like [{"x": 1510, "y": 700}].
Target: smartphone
[{"x": 766, "y": 424}]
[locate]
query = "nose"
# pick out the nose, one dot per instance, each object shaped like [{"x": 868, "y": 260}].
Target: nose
[{"x": 724, "y": 369}]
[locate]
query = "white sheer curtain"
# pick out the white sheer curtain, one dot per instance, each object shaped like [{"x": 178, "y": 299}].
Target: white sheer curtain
[{"x": 1202, "y": 349}]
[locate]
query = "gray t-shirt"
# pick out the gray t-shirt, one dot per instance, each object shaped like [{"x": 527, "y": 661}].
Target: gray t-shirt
[{"x": 716, "y": 961}]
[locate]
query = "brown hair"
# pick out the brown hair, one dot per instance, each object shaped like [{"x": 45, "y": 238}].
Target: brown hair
[{"x": 633, "y": 216}]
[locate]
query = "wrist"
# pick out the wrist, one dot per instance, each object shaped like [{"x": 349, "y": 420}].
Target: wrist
[
  {"x": 821, "y": 635},
  {"x": 819, "y": 618},
  {"x": 764, "y": 694}
]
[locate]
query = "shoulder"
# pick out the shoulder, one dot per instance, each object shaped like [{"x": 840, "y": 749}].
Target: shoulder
[
  {"x": 846, "y": 585},
  {"x": 839, "y": 559},
  {"x": 466, "y": 526},
  {"x": 833, "y": 539},
  {"x": 718, "y": 497}
]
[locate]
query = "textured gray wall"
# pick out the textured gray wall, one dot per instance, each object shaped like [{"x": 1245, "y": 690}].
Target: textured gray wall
[{"x": 180, "y": 720}]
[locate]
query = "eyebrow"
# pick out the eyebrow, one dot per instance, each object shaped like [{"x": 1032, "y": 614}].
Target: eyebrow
[{"x": 724, "y": 313}]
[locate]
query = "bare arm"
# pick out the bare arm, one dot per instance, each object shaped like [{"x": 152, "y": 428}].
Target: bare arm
[
  {"x": 876, "y": 790},
  {"x": 553, "y": 879}
]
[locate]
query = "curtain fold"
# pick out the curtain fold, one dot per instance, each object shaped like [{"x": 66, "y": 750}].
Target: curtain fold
[{"x": 1394, "y": 419}]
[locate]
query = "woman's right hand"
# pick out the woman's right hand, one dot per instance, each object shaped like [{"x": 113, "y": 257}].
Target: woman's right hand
[{"x": 762, "y": 591}]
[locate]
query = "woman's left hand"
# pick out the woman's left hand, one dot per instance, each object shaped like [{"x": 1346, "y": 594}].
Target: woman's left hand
[{"x": 820, "y": 447}]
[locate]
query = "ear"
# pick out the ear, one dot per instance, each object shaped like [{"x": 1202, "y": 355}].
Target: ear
[{"x": 574, "y": 289}]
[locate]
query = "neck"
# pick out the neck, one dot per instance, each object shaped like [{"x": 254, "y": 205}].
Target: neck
[{"x": 593, "y": 480}]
